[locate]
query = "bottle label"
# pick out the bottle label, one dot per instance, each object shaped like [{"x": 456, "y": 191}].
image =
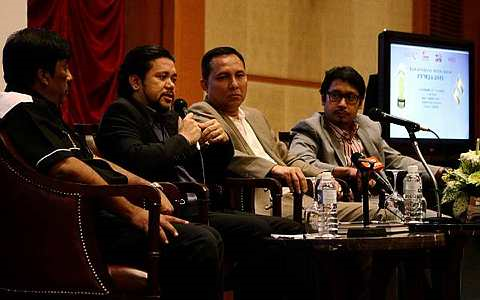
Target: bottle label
[
  {"x": 412, "y": 186},
  {"x": 329, "y": 196}
]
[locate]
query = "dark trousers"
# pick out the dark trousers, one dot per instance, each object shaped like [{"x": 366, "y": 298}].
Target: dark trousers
[
  {"x": 190, "y": 265},
  {"x": 261, "y": 266}
]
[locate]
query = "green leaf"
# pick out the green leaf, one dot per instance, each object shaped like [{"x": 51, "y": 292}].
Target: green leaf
[{"x": 460, "y": 205}]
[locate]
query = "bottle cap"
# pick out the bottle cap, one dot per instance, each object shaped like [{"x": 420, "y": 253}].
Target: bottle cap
[{"x": 412, "y": 169}]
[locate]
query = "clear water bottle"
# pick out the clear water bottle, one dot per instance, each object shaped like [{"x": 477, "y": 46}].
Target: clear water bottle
[
  {"x": 413, "y": 196},
  {"x": 326, "y": 197}
]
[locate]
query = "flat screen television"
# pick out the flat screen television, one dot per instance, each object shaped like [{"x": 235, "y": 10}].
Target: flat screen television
[{"x": 429, "y": 81}]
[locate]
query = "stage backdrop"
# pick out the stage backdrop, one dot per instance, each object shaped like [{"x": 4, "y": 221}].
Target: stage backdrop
[
  {"x": 95, "y": 31},
  {"x": 13, "y": 17}
]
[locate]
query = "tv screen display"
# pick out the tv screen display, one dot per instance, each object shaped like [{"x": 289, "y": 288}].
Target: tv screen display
[{"x": 428, "y": 81}]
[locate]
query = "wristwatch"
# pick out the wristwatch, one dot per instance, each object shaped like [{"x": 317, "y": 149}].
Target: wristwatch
[{"x": 156, "y": 185}]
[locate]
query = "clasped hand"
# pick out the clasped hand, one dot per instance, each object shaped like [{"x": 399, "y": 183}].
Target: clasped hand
[
  {"x": 209, "y": 132},
  {"x": 212, "y": 132}
]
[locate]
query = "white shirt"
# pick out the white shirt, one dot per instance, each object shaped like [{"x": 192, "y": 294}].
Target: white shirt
[
  {"x": 262, "y": 196},
  {"x": 249, "y": 135}
]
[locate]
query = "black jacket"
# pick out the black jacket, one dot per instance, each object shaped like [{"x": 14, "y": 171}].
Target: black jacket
[{"x": 147, "y": 143}]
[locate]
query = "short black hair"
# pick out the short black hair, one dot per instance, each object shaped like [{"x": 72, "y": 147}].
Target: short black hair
[
  {"x": 138, "y": 61},
  {"x": 28, "y": 50},
  {"x": 347, "y": 74},
  {"x": 215, "y": 52}
]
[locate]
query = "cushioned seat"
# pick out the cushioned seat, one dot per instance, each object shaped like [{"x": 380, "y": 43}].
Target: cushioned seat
[{"x": 48, "y": 236}]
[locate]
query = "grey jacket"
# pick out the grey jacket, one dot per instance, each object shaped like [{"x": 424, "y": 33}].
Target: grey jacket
[
  {"x": 244, "y": 162},
  {"x": 313, "y": 144}
]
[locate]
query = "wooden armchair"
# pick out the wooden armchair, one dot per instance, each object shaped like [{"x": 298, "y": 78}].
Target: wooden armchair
[
  {"x": 240, "y": 195},
  {"x": 48, "y": 237},
  {"x": 179, "y": 193},
  {"x": 238, "y": 192}
]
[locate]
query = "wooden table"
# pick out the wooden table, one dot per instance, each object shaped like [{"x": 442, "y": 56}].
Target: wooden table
[
  {"x": 366, "y": 267},
  {"x": 446, "y": 262}
]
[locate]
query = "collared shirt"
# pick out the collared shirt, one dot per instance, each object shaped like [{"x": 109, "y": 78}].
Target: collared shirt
[
  {"x": 249, "y": 136},
  {"x": 42, "y": 138},
  {"x": 348, "y": 138}
]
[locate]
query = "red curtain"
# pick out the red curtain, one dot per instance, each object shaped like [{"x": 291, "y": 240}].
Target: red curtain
[{"x": 95, "y": 31}]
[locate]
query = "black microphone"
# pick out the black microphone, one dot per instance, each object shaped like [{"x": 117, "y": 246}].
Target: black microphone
[
  {"x": 358, "y": 159},
  {"x": 380, "y": 116},
  {"x": 180, "y": 107}
]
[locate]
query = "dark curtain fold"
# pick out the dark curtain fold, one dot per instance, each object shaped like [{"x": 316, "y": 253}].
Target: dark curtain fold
[{"x": 95, "y": 31}]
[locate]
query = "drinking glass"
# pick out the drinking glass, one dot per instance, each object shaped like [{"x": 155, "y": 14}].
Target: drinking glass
[{"x": 394, "y": 202}]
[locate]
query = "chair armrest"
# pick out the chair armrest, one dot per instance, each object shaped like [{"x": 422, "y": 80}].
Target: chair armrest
[
  {"x": 177, "y": 193},
  {"x": 143, "y": 196},
  {"x": 140, "y": 195},
  {"x": 241, "y": 193}
]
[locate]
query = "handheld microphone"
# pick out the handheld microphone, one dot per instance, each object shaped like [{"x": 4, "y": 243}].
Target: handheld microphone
[
  {"x": 359, "y": 160},
  {"x": 180, "y": 107},
  {"x": 380, "y": 116}
]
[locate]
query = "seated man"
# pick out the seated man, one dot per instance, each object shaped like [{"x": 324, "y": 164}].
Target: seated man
[
  {"x": 35, "y": 63},
  {"x": 258, "y": 152},
  {"x": 327, "y": 140},
  {"x": 140, "y": 132}
]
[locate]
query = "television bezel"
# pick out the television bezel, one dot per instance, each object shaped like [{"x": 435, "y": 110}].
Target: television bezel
[{"x": 385, "y": 39}]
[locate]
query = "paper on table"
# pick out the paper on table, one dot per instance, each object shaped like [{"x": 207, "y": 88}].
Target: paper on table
[{"x": 287, "y": 236}]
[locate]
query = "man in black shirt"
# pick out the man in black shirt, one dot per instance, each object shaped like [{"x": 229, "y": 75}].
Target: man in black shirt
[
  {"x": 35, "y": 63},
  {"x": 141, "y": 133}
]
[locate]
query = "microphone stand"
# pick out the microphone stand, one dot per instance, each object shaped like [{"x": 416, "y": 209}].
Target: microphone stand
[
  {"x": 413, "y": 139},
  {"x": 366, "y": 230},
  {"x": 364, "y": 174}
]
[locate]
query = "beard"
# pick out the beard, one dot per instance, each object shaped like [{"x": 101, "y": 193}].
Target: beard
[{"x": 159, "y": 108}]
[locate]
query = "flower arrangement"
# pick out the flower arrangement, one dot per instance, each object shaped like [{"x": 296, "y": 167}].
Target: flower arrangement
[{"x": 462, "y": 183}]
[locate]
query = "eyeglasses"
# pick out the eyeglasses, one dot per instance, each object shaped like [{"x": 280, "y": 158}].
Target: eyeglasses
[{"x": 350, "y": 98}]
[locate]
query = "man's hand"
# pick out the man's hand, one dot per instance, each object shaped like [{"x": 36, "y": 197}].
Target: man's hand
[
  {"x": 212, "y": 132},
  {"x": 140, "y": 220},
  {"x": 293, "y": 176},
  {"x": 189, "y": 128},
  {"x": 166, "y": 206},
  {"x": 345, "y": 173}
]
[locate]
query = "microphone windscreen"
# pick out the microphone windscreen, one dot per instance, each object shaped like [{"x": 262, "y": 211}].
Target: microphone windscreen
[
  {"x": 356, "y": 156},
  {"x": 180, "y": 106},
  {"x": 375, "y": 114}
]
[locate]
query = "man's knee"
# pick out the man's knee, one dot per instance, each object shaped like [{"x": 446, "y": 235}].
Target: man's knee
[{"x": 200, "y": 243}]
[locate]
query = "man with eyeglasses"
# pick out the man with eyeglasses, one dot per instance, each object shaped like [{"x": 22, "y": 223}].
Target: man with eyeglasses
[{"x": 327, "y": 140}]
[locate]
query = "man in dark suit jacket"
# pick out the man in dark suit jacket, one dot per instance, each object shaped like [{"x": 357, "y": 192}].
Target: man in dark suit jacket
[
  {"x": 148, "y": 140},
  {"x": 140, "y": 132}
]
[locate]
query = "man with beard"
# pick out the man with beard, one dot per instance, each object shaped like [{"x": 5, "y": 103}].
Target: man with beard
[{"x": 140, "y": 132}]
